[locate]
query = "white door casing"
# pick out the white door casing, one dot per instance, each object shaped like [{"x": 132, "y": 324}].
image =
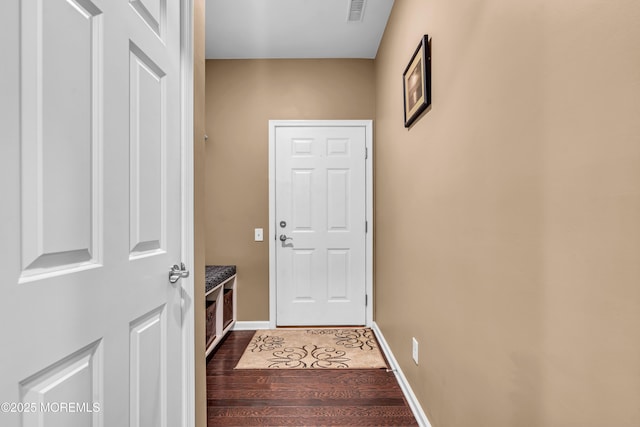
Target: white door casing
[
  {"x": 321, "y": 203},
  {"x": 93, "y": 173}
]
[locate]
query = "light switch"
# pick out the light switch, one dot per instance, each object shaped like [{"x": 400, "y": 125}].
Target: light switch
[{"x": 258, "y": 235}]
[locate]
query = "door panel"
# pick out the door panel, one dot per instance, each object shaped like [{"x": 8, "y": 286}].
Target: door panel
[
  {"x": 92, "y": 183},
  {"x": 153, "y": 12},
  {"x": 74, "y": 379},
  {"x": 147, "y": 367},
  {"x": 147, "y": 153},
  {"x": 338, "y": 193},
  {"x": 59, "y": 145},
  {"x": 338, "y": 261},
  {"x": 320, "y": 195}
]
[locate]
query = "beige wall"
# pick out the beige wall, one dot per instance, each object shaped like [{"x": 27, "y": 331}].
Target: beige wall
[
  {"x": 508, "y": 217},
  {"x": 199, "y": 212},
  {"x": 242, "y": 96}
]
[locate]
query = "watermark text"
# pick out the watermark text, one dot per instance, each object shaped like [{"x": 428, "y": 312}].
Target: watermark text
[{"x": 50, "y": 407}]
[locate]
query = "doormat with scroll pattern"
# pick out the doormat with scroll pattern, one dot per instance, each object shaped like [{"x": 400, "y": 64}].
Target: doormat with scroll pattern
[{"x": 313, "y": 348}]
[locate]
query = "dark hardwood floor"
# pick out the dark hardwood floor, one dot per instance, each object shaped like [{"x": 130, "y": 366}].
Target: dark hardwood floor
[{"x": 370, "y": 397}]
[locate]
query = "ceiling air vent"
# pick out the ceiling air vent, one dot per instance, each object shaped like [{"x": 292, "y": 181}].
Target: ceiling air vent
[{"x": 356, "y": 10}]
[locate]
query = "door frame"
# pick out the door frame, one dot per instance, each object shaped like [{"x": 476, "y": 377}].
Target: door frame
[
  {"x": 272, "y": 235},
  {"x": 187, "y": 211}
]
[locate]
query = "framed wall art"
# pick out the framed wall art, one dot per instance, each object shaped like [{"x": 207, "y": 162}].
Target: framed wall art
[{"x": 416, "y": 82}]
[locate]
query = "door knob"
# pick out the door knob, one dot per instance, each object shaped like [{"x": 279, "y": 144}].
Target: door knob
[
  {"x": 284, "y": 238},
  {"x": 178, "y": 271}
]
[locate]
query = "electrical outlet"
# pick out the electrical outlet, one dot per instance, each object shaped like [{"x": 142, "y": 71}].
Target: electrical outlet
[
  {"x": 258, "y": 235},
  {"x": 414, "y": 351}
]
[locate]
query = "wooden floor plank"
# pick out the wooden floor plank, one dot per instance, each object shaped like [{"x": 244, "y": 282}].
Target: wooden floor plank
[{"x": 271, "y": 397}]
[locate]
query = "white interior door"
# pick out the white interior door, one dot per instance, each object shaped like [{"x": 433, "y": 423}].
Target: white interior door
[
  {"x": 320, "y": 225},
  {"x": 91, "y": 216}
]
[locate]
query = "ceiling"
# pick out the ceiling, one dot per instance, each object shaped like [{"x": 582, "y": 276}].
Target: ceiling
[{"x": 251, "y": 29}]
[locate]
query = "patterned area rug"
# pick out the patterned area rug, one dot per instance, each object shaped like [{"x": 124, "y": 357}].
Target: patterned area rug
[{"x": 344, "y": 348}]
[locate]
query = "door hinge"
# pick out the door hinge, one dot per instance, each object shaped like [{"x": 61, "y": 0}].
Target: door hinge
[
  {"x": 366, "y": 300},
  {"x": 366, "y": 226},
  {"x": 366, "y": 152}
]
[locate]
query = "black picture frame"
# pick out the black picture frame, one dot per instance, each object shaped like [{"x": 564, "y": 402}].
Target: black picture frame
[{"x": 416, "y": 82}]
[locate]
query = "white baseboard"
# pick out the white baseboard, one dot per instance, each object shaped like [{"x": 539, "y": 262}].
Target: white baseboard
[
  {"x": 421, "y": 417},
  {"x": 251, "y": 325}
]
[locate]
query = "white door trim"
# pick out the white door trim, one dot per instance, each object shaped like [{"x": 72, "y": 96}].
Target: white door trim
[
  {"x": 368, "y": 125},
  {"x": 187, "y": 170}
]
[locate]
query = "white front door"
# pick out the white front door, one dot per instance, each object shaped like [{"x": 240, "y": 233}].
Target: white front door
[
  {"x": 91, "y": 215},
  {"x": 320, "y": 225}
]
